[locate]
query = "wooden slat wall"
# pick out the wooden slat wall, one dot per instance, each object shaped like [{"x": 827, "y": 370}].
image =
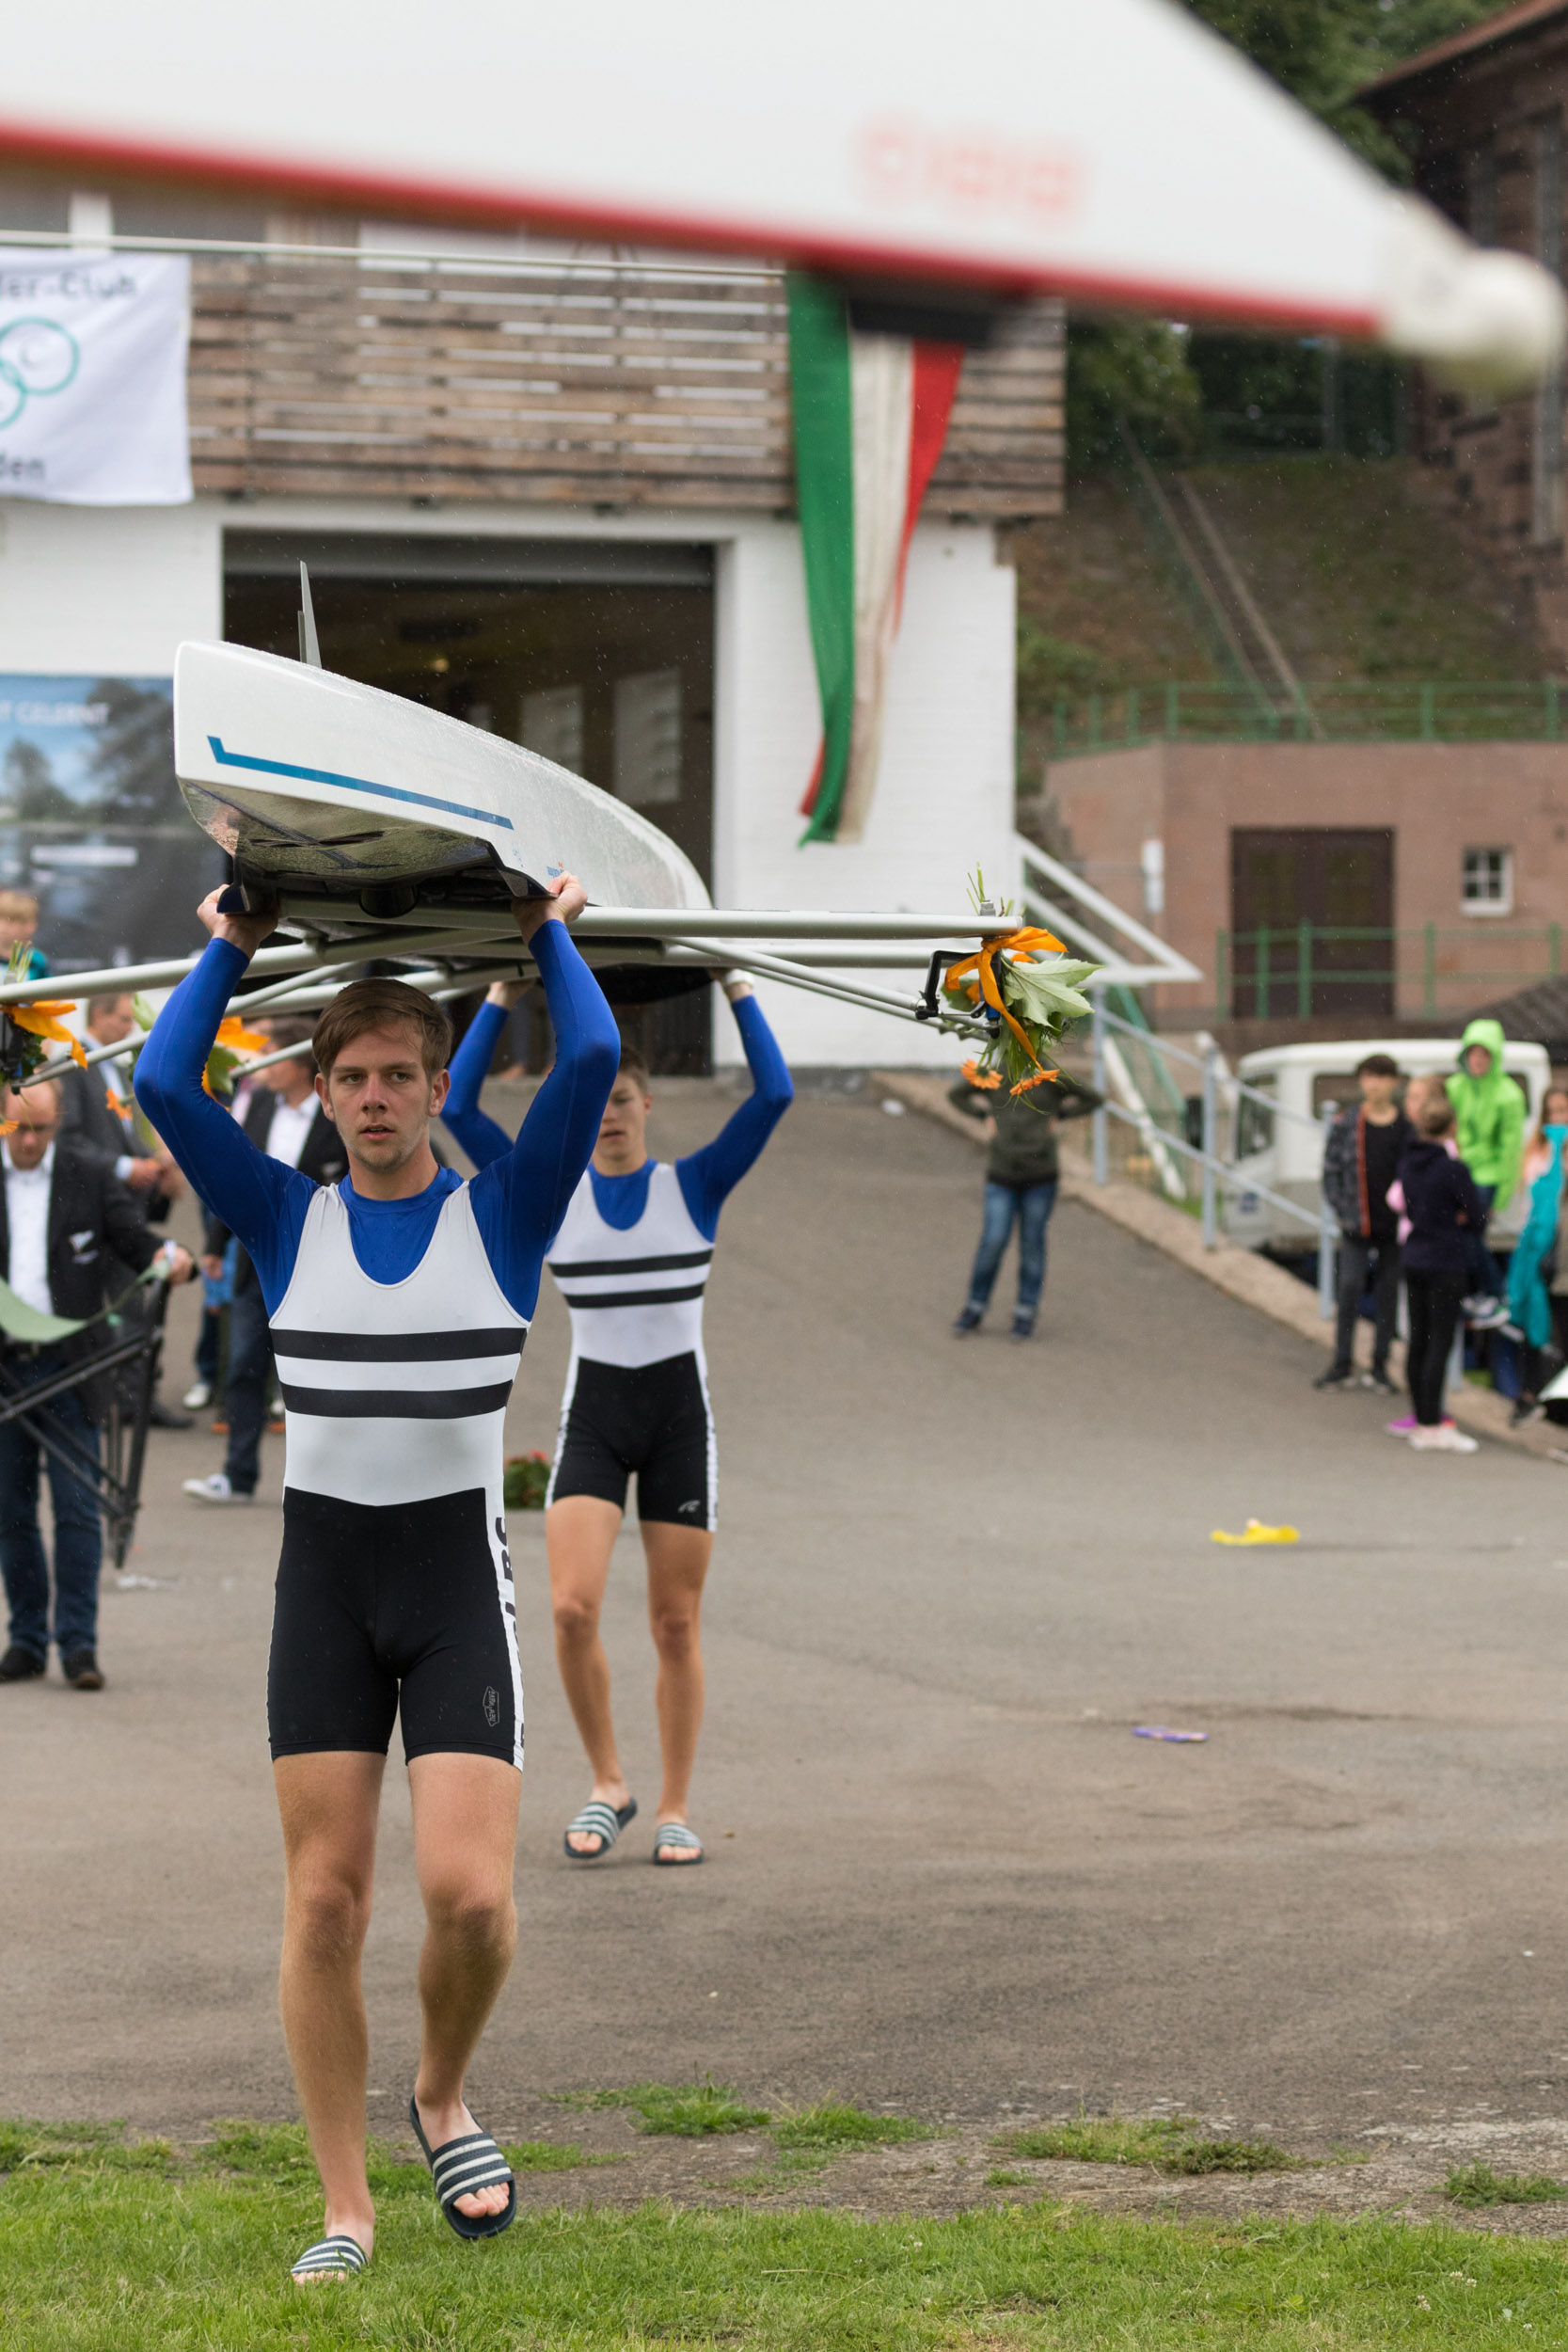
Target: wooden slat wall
[{"x": 633, "y": 387}]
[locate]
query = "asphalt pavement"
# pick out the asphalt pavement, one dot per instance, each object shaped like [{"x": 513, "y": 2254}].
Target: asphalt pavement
[{"x": 950, "y": 1578}]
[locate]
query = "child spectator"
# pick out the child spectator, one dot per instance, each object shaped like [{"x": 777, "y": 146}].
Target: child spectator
[
  {"x": 19, "y": 920},
  {"x": 1444, "y": 1207},
  {"x": 1490, "y": 1110}
]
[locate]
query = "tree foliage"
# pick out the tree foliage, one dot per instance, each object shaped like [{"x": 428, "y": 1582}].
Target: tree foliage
[
  {"x": 1132, "y": 368},
  {"x": 1325, "y": 51}
]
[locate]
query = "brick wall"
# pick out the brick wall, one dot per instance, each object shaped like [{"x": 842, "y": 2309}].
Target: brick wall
[{"x": 1438, "y": 798}]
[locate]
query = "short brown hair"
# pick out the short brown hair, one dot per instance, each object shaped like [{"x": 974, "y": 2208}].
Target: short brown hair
[
  {"x": 294, "y": 1030},
  {"x": 382, "y": 1005},
  {"x": 1436, "y": 1117},
  {"x": 633, "y": 1066},
  {"x": 1378, "y": 1066}
]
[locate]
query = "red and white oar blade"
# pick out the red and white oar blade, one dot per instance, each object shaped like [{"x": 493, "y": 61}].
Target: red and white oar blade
[{"x": 1111, "y": 150}]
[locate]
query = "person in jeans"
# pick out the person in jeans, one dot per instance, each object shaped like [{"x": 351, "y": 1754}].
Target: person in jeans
[
  {"x": 1445, "y": 1208},
  {"x": 1022, "y": 1172},
  {"x": 1360, "y": 1161},
  {"x": 66, "y": 1220}
]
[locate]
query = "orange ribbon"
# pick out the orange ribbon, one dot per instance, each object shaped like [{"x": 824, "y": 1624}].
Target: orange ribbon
[
  {"x": 233, "y": 1034},
  {"x": 43, "y": 1020},
  {"x": 984, "y": 981}
]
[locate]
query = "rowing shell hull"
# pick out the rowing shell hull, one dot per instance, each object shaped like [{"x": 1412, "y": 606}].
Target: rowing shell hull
[{"x": 322, "y": 788}]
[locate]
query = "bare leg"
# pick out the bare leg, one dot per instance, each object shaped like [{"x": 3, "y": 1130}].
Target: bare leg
[
  {"x": 580, "y": 1535},
  {"x": 677, "y": 1565},
  {"x": 328, "y": 1804},
  {"x": 465, "y": 1834}
]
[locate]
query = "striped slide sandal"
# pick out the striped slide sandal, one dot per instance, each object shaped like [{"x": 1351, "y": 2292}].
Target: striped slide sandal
[
  {"x": 459, "y": 2167},
  {"x": 672, "y": 1839},
  {"x": 599, "y": 1821},
  {"x": 331, "y": 2258}
]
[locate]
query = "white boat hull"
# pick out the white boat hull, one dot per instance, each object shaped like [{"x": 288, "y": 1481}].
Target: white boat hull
[{"x": 323, "y": 788}]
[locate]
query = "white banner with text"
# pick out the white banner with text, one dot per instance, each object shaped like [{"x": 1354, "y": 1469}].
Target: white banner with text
[{"x": 92, "y": 378}]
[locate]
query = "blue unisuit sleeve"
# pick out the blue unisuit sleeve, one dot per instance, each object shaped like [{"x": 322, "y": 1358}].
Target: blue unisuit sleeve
[
  {"x": 258, "y": 1199},
  {"x": 475, "y": 1130},
  {"x": 520, "y": 1199},
  {"x": 709, "y": 1176}
]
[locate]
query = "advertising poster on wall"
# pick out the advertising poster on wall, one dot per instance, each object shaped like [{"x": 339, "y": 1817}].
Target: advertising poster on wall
[{"x": 92, "y": 824}]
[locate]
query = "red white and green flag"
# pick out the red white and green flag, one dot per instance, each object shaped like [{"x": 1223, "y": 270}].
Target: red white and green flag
[{"x": 870, "y": 418}]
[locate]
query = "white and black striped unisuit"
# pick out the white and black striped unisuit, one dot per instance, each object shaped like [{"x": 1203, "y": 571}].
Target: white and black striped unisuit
[
  {"x": 637, "y": 1397},
  {"x": 394, "y": 1395},
  {"x": 635, "y": 1298},
  {"x": 395, "y": 1391}
]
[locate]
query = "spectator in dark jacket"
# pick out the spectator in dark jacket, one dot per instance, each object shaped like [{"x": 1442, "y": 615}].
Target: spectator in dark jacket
[
  {"x": 65, "y": 1220},
  {"x": 1444, "y": 1209},
  {"x": 1361, "y": 1159},
  {"x": 1022, "y": 1172}
]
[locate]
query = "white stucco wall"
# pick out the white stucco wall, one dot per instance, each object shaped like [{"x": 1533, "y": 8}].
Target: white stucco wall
[
  {"x": 115, "y": 590},
  {"x": 107, "y": 588}
]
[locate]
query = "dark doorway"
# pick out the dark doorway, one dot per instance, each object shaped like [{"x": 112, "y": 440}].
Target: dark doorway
[
  {"x": 597, "y": 653},
  {"x": 1311, "y": 920}
]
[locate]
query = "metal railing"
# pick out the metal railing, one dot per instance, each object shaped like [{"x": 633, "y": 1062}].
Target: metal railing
[
  {"x": 1435, "y": 710},
  {"x": 1290, "y": 970},
  {"x": 1214, "y": 1172}
]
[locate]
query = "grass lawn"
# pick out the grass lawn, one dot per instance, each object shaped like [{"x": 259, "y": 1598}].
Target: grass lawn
[{"x": 124, "y": 2249}]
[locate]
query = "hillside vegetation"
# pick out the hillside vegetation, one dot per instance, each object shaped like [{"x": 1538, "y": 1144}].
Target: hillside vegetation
[{"x": 1359, "y": 577}]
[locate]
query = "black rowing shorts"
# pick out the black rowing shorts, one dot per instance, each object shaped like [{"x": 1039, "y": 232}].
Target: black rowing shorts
[
  {"x": 386, "y": 1606},
  {"x": 649, "y": 1419}
]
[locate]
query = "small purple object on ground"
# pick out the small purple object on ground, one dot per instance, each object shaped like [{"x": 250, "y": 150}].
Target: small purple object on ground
[{"x": 1161, "y": 1731}]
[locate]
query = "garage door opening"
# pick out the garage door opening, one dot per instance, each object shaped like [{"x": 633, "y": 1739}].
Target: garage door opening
[{"x": 598, "y": 653}]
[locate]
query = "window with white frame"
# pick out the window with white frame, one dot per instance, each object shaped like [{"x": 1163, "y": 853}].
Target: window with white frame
[{"x": 1486, "y": 881}]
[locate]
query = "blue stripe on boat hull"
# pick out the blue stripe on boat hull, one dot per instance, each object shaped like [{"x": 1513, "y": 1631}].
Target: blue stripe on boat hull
[{"x": 353, "y": 783}]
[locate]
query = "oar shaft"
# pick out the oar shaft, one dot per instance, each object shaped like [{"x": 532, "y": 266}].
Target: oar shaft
[{"x": 127, "y": 978}]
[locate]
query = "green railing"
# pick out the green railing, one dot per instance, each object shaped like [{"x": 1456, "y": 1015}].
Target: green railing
[
  {"x": 1290, "y": 970},
  {"x": 1435, "y": 711}
]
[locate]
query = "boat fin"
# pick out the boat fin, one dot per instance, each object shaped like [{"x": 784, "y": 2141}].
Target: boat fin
[{"x": 309, "y": 644}]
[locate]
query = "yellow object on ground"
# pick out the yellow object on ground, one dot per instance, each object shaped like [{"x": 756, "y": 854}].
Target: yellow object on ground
[{"x": 1255, "y": 1533}]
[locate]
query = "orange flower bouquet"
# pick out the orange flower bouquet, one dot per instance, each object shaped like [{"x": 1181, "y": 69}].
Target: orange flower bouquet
[{"x": 1029, "y": 989}]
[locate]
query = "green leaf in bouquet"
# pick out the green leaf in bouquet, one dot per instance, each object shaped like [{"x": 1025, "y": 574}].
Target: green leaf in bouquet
[{"x": 1044, "y": 993}]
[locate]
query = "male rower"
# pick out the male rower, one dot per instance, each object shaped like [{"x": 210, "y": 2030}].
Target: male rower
[
  {"x": 399, "y": 1300},
  {"x": 631, "y": 1260}
]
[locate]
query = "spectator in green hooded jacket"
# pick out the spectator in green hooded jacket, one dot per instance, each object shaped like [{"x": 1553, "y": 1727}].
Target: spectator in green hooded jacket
[{"x": 1490, "y": 1108}]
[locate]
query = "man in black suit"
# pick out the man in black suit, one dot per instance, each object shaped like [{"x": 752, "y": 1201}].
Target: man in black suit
[
  {"x": 97, "y": 1112},
  {"x": 283, "y": 1118},
  {"x": 64, "y": 1222}
]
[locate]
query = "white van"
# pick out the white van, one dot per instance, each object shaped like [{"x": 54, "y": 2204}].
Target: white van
[{"x": 1287, "y": 1156}]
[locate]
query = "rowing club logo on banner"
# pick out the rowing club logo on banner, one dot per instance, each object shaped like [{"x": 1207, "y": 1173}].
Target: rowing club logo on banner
[{"x": 92, "y": 379}]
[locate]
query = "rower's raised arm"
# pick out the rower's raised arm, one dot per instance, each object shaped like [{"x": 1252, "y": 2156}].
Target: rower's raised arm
[
  {"x": 709, "y": 1176},
  {"x": 259, "y": 1198},
  {"x": 521, "y": 1198},
  {"x": 474, "y": 1129}
]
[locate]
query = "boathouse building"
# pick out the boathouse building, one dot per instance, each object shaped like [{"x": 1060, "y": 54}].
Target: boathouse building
[{"x": 549, "y": 492}]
